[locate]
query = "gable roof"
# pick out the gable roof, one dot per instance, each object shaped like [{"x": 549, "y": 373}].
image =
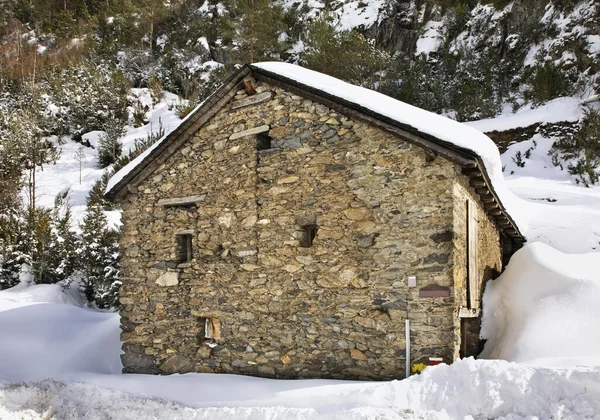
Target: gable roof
[{"x": 472, "y": 150}]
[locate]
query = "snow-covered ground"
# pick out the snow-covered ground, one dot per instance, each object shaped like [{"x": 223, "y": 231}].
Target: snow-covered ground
[
  {"x": 60, "y": 360},
  {"x": 64, "y": 176},
  {"x": 559, "y": 212}
]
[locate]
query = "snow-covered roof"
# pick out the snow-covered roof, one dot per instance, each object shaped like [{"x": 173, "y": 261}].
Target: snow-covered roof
[{"x": 442, "y": 131}]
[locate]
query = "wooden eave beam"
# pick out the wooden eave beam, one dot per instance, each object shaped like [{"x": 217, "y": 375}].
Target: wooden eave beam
[{"x": 477, "y": 182}]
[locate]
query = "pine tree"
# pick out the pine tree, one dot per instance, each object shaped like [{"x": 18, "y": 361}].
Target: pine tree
[
  {"x": 583, "y": 149},
  {"x": 255, "y": 27},
  {"x": 99, "y": 258},
  {"x": 343, "y": 54},
  {"x": 63, "y": 244},
  {"x": 33, "y": 149},
  {"x": 109, "y": 145}
]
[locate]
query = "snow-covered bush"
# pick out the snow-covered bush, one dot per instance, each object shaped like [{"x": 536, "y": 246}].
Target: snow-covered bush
[{"x": 88, "y": 97}]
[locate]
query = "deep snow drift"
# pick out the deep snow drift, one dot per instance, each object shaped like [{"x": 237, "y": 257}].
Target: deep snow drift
[{"x": 545, "y": 305}]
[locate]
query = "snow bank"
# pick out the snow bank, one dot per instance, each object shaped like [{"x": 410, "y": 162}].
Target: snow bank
[
  {"x": 481, "y": 389},
  {"x": 44, "y": 334},
  {"x": 557, "y": 110},
  {"x": 545, "y": 305},
  {"x": 435, "y": 125}
]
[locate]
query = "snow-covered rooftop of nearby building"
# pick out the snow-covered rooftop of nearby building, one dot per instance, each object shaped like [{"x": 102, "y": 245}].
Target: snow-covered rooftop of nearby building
[
  {"x": 426, "y": 122},
  {"x": 557, "y": 110}
]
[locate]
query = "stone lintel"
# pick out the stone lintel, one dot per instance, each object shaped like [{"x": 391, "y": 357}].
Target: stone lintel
[
  {"x": 252, "y": 100},
  {"x": 249, "y": 132},
  {"x": 180, "y": 201}
]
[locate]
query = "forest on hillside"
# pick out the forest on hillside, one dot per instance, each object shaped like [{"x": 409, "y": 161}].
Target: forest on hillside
[{"x": 67, "y": 67}]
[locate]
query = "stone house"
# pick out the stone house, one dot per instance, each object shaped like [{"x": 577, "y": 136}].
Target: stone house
[{"x": 285, "y": 231}]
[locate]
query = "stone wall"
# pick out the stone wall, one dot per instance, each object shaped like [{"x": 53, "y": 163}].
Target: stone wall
[
  {"x": 489, "y": 262},
  {"x": 337, "y": 309}
]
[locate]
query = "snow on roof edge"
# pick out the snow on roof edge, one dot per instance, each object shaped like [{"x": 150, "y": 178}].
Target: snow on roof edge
[{"x": 437, "y": 126}]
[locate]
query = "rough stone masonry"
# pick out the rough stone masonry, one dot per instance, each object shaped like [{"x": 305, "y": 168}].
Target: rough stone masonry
[{"x": 279, "y": 240}]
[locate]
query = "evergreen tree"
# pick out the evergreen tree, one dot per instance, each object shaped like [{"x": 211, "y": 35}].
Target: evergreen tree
[
  {"x": 109, "y": 145},
  {"x": 255, "y": 28},
  {"x": 583, "y": 150},
  {"x": 13, "y": 254},
  {"x": 343, "y": 54},
  {"x": 99, "y": 259},
  {"x": 63, "y": 244}
]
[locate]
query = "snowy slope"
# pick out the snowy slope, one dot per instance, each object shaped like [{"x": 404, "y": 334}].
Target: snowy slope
[
  {"x": 560, "y": 212},
  {"x": 557, "y": 110},
  {"x": 63, "y": 177}
]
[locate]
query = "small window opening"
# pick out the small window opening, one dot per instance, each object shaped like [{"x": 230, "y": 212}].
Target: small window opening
[
  {"x": 263, "y": 141},
  {"x": 309, "y": 235},
  {"x": 184, "y": 247},
  {"x": 210, "y": 329}
]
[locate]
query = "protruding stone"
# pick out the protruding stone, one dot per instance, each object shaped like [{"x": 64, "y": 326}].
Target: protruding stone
[
  {"x": 356, "y": 213},
  {"x": 288, "y": 180},
  {"x": 177, "y": 364},
  {"x": 292, "y": 268},
  {"x": 249, "y": 221},
  {"x": 357, "y": 354},
  {"x": 170, "y": 278}
]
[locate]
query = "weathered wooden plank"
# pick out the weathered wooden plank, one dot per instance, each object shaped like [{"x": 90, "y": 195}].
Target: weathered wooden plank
[
  {"x": 472, "y": 254},
  {"x": 250, "y": 85},
  {"x": 249, "y": 132},
  {"x": 181, "y": 201},
  {"x": 252, "y": 100}
]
